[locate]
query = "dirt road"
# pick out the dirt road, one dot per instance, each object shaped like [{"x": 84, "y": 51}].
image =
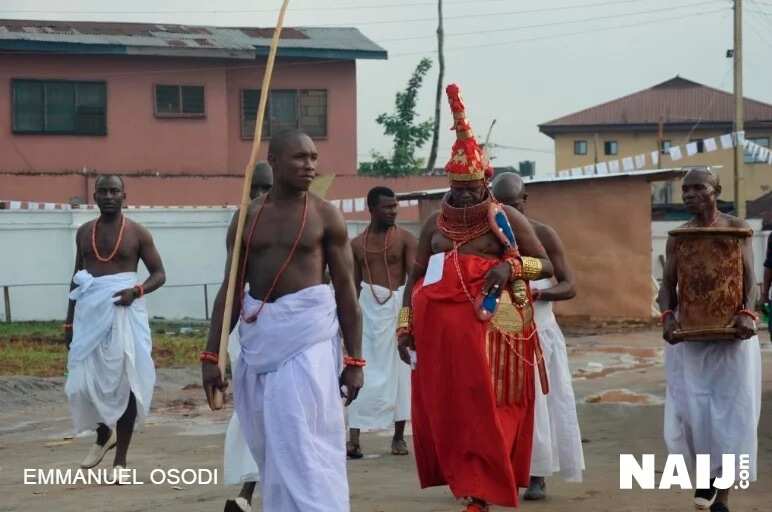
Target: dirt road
[{"x": 619, "y": 382}]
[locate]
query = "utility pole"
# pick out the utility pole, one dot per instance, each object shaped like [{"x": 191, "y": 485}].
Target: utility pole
[
  {"x": 438, "y": 96},
  {"x": 739, "y": 150}
]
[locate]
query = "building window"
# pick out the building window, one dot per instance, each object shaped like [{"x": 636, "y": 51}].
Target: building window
[
  {"x": 286, "y": 110},
  {"x": 610, "y": 147},
  {"x": 580, "y": 147},
  {"x": 749, "y": 159},
  {"x": 179, "y": 101},
  {"x": 700, "y": 145},
  {"x": 664, "y": 147},
  {"x": 59, "y": 107}
]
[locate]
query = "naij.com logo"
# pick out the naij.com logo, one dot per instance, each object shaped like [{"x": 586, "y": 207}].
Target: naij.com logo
[{"x": 734, "y": 473}]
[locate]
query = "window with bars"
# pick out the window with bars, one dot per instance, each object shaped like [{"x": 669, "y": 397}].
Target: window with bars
[
  {"x": 179, "y": 101},
  {"x": 59, "y": 107},
  {"x": 304, "y": 109}
]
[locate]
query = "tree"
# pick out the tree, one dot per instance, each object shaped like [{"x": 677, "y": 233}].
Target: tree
[
  {"x": 438, "y": 95},
  {"x": 408, "y": 134}
]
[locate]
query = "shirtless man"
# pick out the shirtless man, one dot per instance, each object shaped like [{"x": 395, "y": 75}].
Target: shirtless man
[
  {"x": 288, "y": 383},
  {"x": 383, "y": 256},
  {"x": 107, "y": 387},
  {"x": 557, "y": 442},
  {"x": 713, "y": 395}
]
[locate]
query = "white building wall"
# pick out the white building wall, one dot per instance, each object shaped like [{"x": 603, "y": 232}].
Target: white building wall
[{"x": 37, "y": 257}]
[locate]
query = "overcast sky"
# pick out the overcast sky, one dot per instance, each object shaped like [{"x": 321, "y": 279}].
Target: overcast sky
[{"x": 518, "y": 67}]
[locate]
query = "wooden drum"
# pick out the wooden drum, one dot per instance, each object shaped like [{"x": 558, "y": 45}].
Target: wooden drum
[{"x": 709, "y": 264}]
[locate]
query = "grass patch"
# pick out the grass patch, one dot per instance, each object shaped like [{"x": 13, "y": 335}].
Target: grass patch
[{"x": 38, "y": 348}]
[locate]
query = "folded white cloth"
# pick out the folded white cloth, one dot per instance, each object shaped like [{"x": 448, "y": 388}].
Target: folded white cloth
[
  {"x": 110, "y": 354},
  {"x": 386, "y": 397}
]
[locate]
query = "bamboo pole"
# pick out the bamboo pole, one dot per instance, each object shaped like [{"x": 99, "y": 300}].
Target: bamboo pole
[{"x": 244, "y": 205}]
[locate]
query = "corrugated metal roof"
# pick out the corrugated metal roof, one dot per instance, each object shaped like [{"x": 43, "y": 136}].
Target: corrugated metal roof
[
  {"x": 650, "y": 175},
  {"x": 675, "y": 101},
  {"x": 183, "y": 40}
]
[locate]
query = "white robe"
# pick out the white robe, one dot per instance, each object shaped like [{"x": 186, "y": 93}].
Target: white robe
[
  {"x": 288, "y": 401},
  {"x": 557, "y": 442},
  {"x": 713, "y": 401},
  {"x": 110, "y": 354},
  {"x": 238, "y": 466},
  {"x": 385, "y": 398}
]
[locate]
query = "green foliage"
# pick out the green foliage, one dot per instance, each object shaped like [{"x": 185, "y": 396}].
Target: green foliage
[{"x": 408, "y": 133}]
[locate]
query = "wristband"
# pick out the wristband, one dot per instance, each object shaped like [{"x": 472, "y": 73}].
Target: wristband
[
  {"x": 748, "y": 312},
  {"x": 209, "y": 357},
  {"x": 354, "y": 361}
]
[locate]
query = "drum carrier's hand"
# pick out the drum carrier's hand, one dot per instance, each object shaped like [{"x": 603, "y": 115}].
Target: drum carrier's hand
[
  {"x": 745, "y": 323},
  {"x": 669, "y": 327}
]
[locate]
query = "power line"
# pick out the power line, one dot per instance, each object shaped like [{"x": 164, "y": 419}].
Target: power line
[
  {"x": 324, "y": 8},
  {"x": 556, "y": 36},
  {"x": 542, "y": 25}
]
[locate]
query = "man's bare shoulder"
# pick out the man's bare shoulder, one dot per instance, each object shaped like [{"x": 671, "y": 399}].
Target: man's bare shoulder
[
  {"x": 331, "y": 217},
  {"x": 736, "y": 222},
  {"x": 140, "y": 230},
  {"x": 546, "y": 233},
  {"x": 430, "y": 224},
  {"x": 405, "y": 235}
]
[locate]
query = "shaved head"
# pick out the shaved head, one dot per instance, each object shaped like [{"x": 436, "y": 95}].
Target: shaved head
[
  {"x": 508, "y": 188},
  {"x": 281, "y": 140},
  {"x": 262, "y": 180},
  {"x": 703, "y": 174},
  {"x": 102, "y": 177}
]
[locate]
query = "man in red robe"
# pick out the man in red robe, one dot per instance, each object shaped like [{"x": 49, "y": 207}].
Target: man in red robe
[{"x": 468, "y": 316}]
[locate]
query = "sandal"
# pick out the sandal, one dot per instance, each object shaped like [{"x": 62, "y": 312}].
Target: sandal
[
  {"x": 474, "y": 506},
  {"x": 353, "y": 451},
  {"x": 399, "y": 447}
]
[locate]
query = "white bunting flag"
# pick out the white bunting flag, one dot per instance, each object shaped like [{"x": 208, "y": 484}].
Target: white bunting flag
[
  {"x": 359, "y": 204},
  {"x": 404, "y": 204},
  {"x": 589, "y": 170},
  {"x": 675, "y": 152},
  {"x": 640, "y": 161},
  {"x": 627, "y": 163},
  {"x": 691, "y": 149},
  {"x": 727, "y": 141},
  {"x": 576, "y": 171},
  {"x": 15, "y": 205},
  {"x": 348, "y": 205},
  {"x": 335, "y": 203},
  {"x": 739, "y": 137},
  {"x": 564, "y": 172},
  {"x": 710, "y": 145},
  {"x": 654, "y": 158},
  {"x": 613, "y": 166},
  {"x": 414, "y": 202},
  {"x": 602, "y": 168},
  {"x": 769, "y": 160}
]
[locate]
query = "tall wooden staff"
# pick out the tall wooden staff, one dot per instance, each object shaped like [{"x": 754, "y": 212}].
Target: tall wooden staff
[{"x": 248, "y": 172}]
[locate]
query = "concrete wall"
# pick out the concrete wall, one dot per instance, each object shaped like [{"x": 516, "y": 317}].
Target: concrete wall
[
  {"x": 758, "y": 178},
  {"x": 605, "y": 225},
  {"x": 38, "y": 249},
  {"x": 138, "y": 141}
]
